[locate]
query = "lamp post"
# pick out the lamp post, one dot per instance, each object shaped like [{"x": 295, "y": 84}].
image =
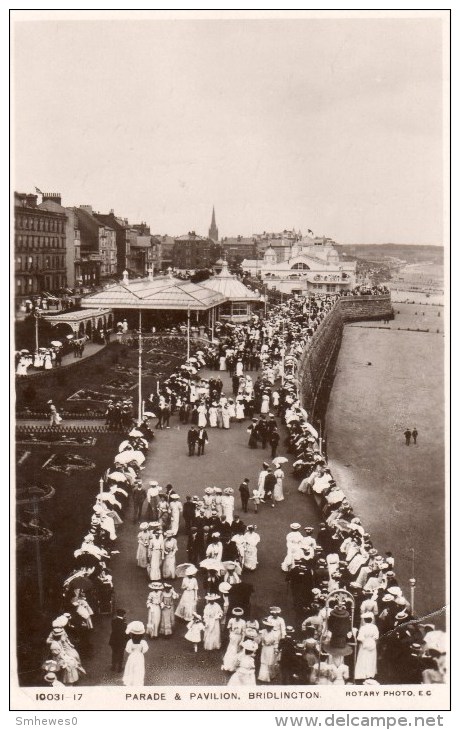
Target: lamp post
[
  {"x": 412, "y": 583},
  {"x": 188, "y": 333},
  {"x": 139, "y": 400},
  {"x": 37, "y": 317}
]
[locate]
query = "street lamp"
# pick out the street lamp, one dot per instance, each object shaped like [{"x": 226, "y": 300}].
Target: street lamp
[
  {"x": 37, "y": 316},
  {"x": 188, "y": 333},
  {"x": 139, "y": 400}
]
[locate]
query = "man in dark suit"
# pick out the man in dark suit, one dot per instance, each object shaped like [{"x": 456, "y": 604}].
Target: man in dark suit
[
  {"x": 202, "y": 439},
  {"x": 192, "y": 437},
  {"x": 195, "y": 546},
  {"x": 118, "y": 639}
]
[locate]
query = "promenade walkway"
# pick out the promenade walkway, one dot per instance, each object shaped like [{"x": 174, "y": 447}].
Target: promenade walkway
[{"x": 228, "y": 460}]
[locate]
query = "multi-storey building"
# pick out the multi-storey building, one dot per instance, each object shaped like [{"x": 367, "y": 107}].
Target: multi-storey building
[
  {"x": 97, "y": 241},
  {"x": 192, "y": 252},
  {"x": 39, "y": 248}
]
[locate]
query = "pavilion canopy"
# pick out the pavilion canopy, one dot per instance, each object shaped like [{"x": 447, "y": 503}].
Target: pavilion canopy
[
  {"x": 230, "y": 286},
  {"x": 162, "y": 292}
]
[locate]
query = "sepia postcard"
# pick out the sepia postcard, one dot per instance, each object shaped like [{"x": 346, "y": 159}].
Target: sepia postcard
[{"x": 229, "y": 295}]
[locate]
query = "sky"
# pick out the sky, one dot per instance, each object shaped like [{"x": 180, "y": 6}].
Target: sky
[{"x": 333, "y": 125}]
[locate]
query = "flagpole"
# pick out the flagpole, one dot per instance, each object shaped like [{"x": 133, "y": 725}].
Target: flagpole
[
  {"x": 139, "y": 401},
  {"x": 188, "y": 333}
]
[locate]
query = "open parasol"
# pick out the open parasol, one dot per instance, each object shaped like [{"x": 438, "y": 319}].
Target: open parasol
[
  {"x": 149, "y": 414},
  {"x": 125, "y": 446},
  {"x": 117, "y": 476},
  {"x": 232, "y": 564},
  {"x": 136, "y": 433},
  {"x": 280, "y": 460},
  {"x": 180, "y": 570},
  {"x": 136, "y": 456},
  {"x": 211, "y": 564},
  {"x": 56, "y": 343},
  {"x": 436, "y": 640},
  {"x": 70, "y": 337},
  {"x": 312, "y": 430},
  {"x": 125, "y": 457},
  {"x": 85, "y": 584}
]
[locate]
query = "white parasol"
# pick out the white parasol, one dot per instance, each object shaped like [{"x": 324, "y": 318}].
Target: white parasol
[
  {"x": 180, "y": 570},
  {"x": 312, "y": 430},
  {"x": 136, "y": 456},
  {"x": 117, "y": 476},
  {"x": 56, "y": 343},
  {"x": 233, "y": 566},
  {"x": 280, "y": 460},
  {"x": 124, "y": 446},
  {"x": 211, "y": 564},
  {"x": 149, "y": 414},
  {"x": 136, "y": 433},
  {"x": 435, "y": 640}
]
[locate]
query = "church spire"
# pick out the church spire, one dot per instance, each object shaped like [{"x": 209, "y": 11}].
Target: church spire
[{"x": 213, "y": 230}]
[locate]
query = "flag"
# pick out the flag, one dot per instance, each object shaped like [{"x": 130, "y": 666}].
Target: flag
[
  {"x": 38, "y": 191},
  {"x": 309, "y": 231}
]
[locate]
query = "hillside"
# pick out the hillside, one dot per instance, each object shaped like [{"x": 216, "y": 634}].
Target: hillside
[{"x": 392, "y": 253}]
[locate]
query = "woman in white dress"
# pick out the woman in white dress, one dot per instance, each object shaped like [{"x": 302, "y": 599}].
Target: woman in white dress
[
  {"x": 211, "y": 618},
  {"x": 278, "y": 494},
  {"x": 269, "y": 652},
  {"x": 208, "y": 501},
  {"x": 175, "y": 506},
  {"x": 231, "y": 408},
  {"x": 239, "y": 411},
  {"x": 366, "y": 662},
  {"x": 222, "y": 363},
  {"x": 218, "y": 501},
  {"x": 236, "y": 628},
  {"x": 339, "y": 672},
  {"x": 225, "y": 416},
  {"x": 202, "y": 415},
  {"x": 187, "y": 604},
  {"x": 170, "y": 548},
  {"x": 239, "y": 368},
  {"x": 265, "y": 406},
  {"x": 156, "y": 550},
  {"x": 154, "y": 606},
  {"x": 134, "y": 674},
  {"x": 228, "y": 504},
  {"x": 215, "y": 548},
  {"x": 251, "y": 541},
  {"x": 213, "y": 415},
  {"x": 47, "y": 361},
  {"x": 245, "y": 670}
]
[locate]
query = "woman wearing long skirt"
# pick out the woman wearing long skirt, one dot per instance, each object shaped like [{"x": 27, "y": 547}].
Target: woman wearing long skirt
[
  {"x": 167, "y": 610},
  {"x": 143, "y": 545},
  {"x": 226, "y": 417},
  {"x": 251, "y": 541},
  {"x": 187, "y": 604},
  {"x": 154, "y": 601},
  {"x": 265, "y": 405},
  {"x": 168, "y": 567},
  {"x": 269, "y": 652},
  {"x": 228, "y": 504},
  {"x": 175, "y": 505},
  {"x": 156, "y": 556},
  {"x": 220, "y": 422},
  {"x": 202, "y": 416},
  {"x": 222, "y": 363},
  {"x": 239, "y": 410},
  {"x": 211, "y": 617},
  {"x": 218, "y": 501},
  {"x": 245, "y": 669},
  {"x": 278, "y": 494},
  {"x": 231, "y": 408},
  {"x": 134, "y": 674},
  {"x": 236, "y": 627},
  {"x": 366, "y": 662},
  {"x": 213, "y": 415}
]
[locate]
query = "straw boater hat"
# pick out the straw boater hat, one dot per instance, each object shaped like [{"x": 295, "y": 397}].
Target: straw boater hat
[
  {"x": 191, "y": 570},
  {"x": 237, "y": 611},
  {"x": 387, "y": 598},
  {"x": 211, "y": 597},
  {"x": 249, "y": 645},
  {"x": 401, "y": 615},
  {"x": 135, "y": 627},
  {"x": 49, "y": 677}
]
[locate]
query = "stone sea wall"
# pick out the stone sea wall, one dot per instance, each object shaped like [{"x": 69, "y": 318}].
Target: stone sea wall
[{"x": 316, "y": 365}]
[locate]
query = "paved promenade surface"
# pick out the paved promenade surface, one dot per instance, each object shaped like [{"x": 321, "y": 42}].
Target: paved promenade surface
[{"x": 228, "y": 460}]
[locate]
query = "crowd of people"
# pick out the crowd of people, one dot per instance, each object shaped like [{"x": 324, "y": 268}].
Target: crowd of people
[{"x": 352, "y": 621}]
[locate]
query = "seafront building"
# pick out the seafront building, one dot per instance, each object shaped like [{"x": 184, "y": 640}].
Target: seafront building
[{"x": 306, "y": 266}]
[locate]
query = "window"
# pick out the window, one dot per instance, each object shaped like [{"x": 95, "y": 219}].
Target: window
[
  {"x": 301, "y": 265},
  {"x": 239, "y": 308}
]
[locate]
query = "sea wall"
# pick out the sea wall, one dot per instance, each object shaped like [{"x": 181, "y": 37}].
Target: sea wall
[{"x": 316, "y": 365}]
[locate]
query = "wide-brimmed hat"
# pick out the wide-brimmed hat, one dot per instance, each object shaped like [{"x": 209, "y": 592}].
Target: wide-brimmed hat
[
  {"x": 401, "y": 615},
  {"x": 169, "y": 533},
  {"x": 60, "y": 622},
  {"x": 237, "y": 611},
  {"x": 144, "y": 526},
  {"x": 387, "y": 598},
  {"x": 308, "y": 529},
  {"x": 135, "y": 627},
  {"x": 295, "y": 526},
  {"x": 224, "y": 587},
  {"x": 49, "y": 677},
  {"x": 211, "y": 597},
  {"x": 269, "y": 621},
  {"x": 395, "y": 591},
  {"x": 274, "y": 609},
  {"x": 249, "y": 645},
  {"x": 156, "y": 586},
  {"x": 191, "y": 570},
  {"x": 58, "y": 630}
]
